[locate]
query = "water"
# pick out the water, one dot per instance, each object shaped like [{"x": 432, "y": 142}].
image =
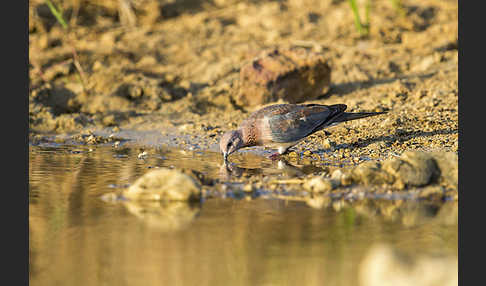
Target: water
[{"x": 76, "y": 238}]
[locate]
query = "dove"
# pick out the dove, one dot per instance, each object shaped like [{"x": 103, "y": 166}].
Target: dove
[{"x": 282, "y": 126}]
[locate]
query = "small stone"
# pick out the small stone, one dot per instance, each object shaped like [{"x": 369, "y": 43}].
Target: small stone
[
  {"x": 142, "y": 155},
  {"x": 328, "y": 144},
  {"x": 185, "y": 84},
  {"x": 337, "y": 174},
  {"x": 347, "y": 179},
  {"x": 184, "y": 127},
  {"x": 247, "y": 188},
  {"x": 293, "y": 154},
  {"x": 91, "y": 139},
  {"x": 97, "y": 65},
  {"x": 319, "y": 185},
  {"x": 109, "y": 120},
  {"x": 370, "y": 173}
]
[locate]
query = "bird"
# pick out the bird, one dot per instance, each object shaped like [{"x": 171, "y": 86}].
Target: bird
[{"x": 282, "y": 126}]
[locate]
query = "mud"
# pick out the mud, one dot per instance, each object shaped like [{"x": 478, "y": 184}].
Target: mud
[{"x": 169, "y": 73}]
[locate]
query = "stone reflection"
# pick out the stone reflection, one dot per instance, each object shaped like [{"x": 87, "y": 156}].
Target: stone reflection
[
  {"x": 385, "y": 265},
  {"x": 229, "y": 170},
  {"x": 164, "y": 216},
  {"x": 407, "y": 213}
]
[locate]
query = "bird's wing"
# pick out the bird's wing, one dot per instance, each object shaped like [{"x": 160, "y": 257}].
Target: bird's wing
[{"x": 298, "y": 122}]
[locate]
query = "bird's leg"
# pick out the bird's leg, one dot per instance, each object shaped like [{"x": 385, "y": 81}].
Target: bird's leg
[
  {"x": 274, "y": 156},
  {"x": 281, "y": 151}
]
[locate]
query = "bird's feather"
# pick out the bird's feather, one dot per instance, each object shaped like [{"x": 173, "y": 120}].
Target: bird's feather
[{"x": 298, "y": 122}]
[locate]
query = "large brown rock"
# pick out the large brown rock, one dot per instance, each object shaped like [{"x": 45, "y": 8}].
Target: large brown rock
[{"x": 293, "y": 75}]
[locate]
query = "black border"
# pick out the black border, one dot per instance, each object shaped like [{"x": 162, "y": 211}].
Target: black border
[{"x": 15, "y": 113}]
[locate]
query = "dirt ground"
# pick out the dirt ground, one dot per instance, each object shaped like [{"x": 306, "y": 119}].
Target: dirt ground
[{"x": 172, "y": 67}]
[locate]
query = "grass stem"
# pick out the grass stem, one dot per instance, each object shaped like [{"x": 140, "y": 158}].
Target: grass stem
[{"x": 57, "y": 13}]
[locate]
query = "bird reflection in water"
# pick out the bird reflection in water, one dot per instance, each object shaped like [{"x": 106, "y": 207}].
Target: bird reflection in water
[{"x": 281, "y": 167}]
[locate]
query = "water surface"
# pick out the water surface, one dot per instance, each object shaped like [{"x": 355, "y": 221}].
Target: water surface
[{"x": 76, "y": 238}]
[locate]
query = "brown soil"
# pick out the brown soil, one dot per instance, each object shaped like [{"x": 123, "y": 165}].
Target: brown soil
[{"x": 174, "y": 68}]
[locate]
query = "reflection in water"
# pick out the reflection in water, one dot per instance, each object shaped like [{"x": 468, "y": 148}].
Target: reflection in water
[
  {"x": 229, "y": 170},
  {"x": 281, "y": 167},
  {"x": 78, "y": 239},
  {"x": 164, "y": 216}
]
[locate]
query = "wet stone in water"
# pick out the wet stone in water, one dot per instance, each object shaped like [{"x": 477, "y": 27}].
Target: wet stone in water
[{"x": 164, "y": 184}]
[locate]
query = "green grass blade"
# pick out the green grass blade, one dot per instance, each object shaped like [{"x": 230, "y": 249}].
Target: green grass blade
[
  {"x": 357, "y": 20},
  {"x": 397, "y": 5},
  {"x": 56, "y": 14}
]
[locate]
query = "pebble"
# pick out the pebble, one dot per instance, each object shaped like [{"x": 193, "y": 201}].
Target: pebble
[{"x": 142, "y": 155}]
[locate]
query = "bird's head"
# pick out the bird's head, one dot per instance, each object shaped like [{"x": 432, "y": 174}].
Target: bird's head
[{"x": 230, "y": 142}]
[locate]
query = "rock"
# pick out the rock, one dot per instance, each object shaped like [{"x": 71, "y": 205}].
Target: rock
[
  {"x": 293, "y": 75},
  {"x": 370, "y": 173},
  {"x": 383, "y": 265},
  {"x": 109, "y": 120},
  {"x": 448, "y": 166},
  {"x": 337, "y": 174},
  {"x": 248, "y": 188},
  {"x": 431, "y": 191},
  {"x": 319, "y": 185},
  {"x": 307, "y": 153},
  {"x": 328, "y": 144},
  {"x": 413, "y": 168},
  {"x": 164, "y": 184},
  {"x": 336, "y": 178},
  {"x": 347, "y": 178}
]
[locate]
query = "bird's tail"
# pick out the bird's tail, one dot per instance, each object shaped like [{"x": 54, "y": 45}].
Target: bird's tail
[{"x": 347, "y": 116}]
